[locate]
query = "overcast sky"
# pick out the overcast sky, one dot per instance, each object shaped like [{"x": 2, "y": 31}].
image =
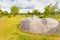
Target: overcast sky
[{"x": 26, "y": 5}]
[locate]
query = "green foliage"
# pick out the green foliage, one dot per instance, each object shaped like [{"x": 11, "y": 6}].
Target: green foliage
[
  {"x": 5, "y": 13},
  {"x": 1, "y": 13},
  {"x": 28, "y": 13},
  {"x": 42, "y": 16},
  {"x": 35, "y": 12},
  {"x": 49, "y": 11},
  {"x": 14, "y": 10}
]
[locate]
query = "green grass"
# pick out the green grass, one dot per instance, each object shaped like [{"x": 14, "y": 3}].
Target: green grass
[{"x": 9, "y": 30}]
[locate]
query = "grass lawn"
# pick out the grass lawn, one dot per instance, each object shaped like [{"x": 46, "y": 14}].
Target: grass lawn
[{"x": 9, "y": 30}]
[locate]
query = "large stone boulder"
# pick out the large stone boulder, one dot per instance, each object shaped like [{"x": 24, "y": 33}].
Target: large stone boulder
[{"x": 39, "y": 26}]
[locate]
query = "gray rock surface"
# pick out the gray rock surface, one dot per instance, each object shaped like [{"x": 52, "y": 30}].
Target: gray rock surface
[
  {"x": 40, "y": 26},
  {"x": 50, "y": 24}
]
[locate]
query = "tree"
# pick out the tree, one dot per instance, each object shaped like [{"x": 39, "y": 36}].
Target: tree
[
  {"x": 47, "y": 10},
  {"x": 28, "y": 13},
  {"x": 1, "y": 13},
  {"x": 35, "y": 12},
  {"x": 51, "y": 10},
  {"x": 14, "y": 10},
  {"x": 5, "y": 13}
]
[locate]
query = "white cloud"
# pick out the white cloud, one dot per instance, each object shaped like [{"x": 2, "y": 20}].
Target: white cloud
[
  {"x": 6, "y": 4},
  {"x": 27, "y": 5}
]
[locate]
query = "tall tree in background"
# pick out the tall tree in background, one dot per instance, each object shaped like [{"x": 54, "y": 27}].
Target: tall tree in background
[
  {"x": 29, "y": 13},
  {"x": 51, "y": 9},
  {"x": 14, "y": 10},
  {"x": 5, "y": 13},
  {"x": 1, "y": 13},
  {"x": 35, "y": 12},
  {"x": 48, "y": 10}
]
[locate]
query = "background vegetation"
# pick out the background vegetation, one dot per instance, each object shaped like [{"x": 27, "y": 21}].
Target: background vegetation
[{"x": 49, "y": 11}]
